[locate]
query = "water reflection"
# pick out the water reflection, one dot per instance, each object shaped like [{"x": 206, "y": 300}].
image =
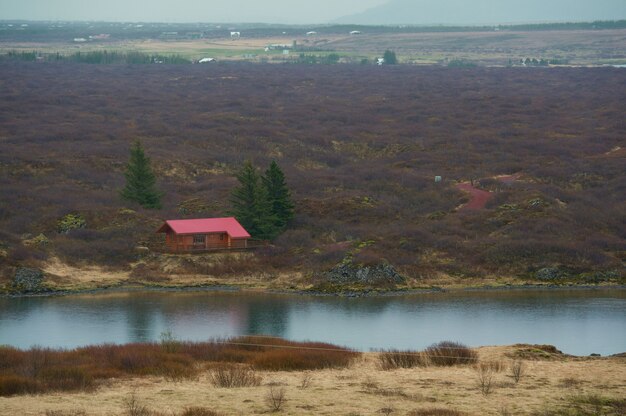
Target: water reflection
[{"x": 578, "y": 322}]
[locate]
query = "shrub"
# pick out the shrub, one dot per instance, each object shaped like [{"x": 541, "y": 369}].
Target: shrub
[
  {"x": 134, "y": 408},
  {"x": 66, "y": 378},
  {"x": 392, "y": 359},
  {"x": 11, "y": 385},
  {"x": 234, "y": 375},
  {"x": 447, "y": 353},
  {"x": 275, "y": 398},
  {"x": 517, "y": 370},
  {"x": 485, "y": 375},
  {"x": 70, "y": 222}
]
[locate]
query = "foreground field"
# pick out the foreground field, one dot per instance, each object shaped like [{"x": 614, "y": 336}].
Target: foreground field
[{"x": 550, "y": 384}]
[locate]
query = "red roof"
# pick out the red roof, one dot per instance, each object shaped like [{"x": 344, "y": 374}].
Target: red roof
[{"x": 206, "y": 225}]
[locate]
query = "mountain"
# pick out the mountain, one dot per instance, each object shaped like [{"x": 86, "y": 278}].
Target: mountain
[{"x": 479, "y": 12}]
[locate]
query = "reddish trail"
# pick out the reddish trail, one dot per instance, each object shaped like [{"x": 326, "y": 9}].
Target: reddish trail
[{"x": 478, "y": 197}]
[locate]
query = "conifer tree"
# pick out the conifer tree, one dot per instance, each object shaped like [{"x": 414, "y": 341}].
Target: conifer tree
[
  {"x": 140, "y": 180},
  {"x": 279, "y": 196},
  {"x": 250, "y": 204}
]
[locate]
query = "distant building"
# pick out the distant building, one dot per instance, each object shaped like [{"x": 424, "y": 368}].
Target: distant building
[
  {"x": 380, "y": 61},
  {"x": 235, "y": 35},
  {"x": 355, "y": 32},
  {"x": 80, "y": 40},
  {"x": 311, "y": 33},
  {"x": 206, "y": 60},
  {"x": 204, "y": 234}
]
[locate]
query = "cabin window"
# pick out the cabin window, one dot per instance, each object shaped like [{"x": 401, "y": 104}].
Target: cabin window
[
  {"x": 222, "y": 236},
  {"x": 199, "y": 238}
]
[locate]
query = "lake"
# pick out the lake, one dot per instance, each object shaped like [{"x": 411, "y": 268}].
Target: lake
[{"x": 577, "y": 322}]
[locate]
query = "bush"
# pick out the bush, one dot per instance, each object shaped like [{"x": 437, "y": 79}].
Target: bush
[
  {"x": 12, "y": 385},
  {"x": 70, "y": 222},
  {"x": 447, "y": 353},
  {"x": 275, "y": 398},
  {"x": 392, "y": 359},
  {"x": 234, "y": 375}
]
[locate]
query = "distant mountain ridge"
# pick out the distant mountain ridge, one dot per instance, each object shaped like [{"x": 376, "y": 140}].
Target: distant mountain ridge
[{"x": 482, "y": 12}]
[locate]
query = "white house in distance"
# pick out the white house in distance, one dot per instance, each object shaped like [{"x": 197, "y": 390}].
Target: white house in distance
[
  {"x": 355, "y": 32},
  {"x": 235, "y": 35},
  {"x": 206, "y": 60},
  {"x": 311, "y": 33}
]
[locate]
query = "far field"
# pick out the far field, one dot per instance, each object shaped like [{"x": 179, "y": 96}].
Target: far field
[
  {"x": 360, "y": 145},
  {"x": 486, "y": 46}
]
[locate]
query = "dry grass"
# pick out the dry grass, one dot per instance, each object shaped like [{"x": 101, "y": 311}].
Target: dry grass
[{"x": 362, "y": 389}]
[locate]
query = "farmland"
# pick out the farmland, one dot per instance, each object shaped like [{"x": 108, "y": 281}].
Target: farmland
[{"x": 598, "y": 43}]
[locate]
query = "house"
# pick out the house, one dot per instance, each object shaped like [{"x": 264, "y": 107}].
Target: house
[
  {"x": 204, "y": 234},
  {"x": 235, "y": 35}
]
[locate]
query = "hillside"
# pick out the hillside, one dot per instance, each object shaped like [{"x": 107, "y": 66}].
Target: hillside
[
  {"x": 360, "y": 147},
  {"x": 462, "y": 12}
]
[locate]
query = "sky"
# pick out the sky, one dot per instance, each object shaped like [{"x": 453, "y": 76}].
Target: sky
[
  {"x": 267, "y": 11},
  {"x": 315, "y": 11}
]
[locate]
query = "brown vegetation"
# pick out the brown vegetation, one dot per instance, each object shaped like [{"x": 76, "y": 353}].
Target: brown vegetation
[
  {"x": 40, "y": 370},
  {"x": 360, "y": 147}
]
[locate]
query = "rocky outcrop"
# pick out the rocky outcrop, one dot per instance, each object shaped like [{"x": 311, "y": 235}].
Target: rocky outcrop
[
  {"x": 28, "y": 280},
  {"x": 380, "y": 274}
]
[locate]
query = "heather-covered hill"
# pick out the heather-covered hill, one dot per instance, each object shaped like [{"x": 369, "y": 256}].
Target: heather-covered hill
[{"x": 360, "y": 147}]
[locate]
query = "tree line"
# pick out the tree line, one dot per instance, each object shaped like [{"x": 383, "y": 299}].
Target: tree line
[{"x": 261, "y": 203}]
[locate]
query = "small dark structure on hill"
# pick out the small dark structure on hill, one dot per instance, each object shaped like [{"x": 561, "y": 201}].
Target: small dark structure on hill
[{"x": 204, "y": 234}]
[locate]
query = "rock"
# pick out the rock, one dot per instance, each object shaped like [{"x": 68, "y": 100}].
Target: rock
[
  {"x": 142, "y": 250},
  {"x": 370, "y": 275},
  {"x": 28, "y": 280}
]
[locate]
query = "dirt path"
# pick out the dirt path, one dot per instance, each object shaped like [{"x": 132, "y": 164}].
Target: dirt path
[{"x": 478, "y": 197}]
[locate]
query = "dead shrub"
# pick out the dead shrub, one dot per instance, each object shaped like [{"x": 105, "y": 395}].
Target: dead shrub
[
  {"x": 392, "y": 359},
  {"x": 517, "y": 370},
  {"x": 305, "y": 381},
  {"x": 448, "y": 353},
  {"x": 275, "y": 398},
  {"x": 133, "y": 407},
  {"x": 234, "y": 375},
  {"x": 485, "y": 374}
]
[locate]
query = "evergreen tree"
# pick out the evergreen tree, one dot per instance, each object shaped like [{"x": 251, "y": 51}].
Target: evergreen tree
[
  {"x": 390, "y": 57},
  {"x": 279, "y": 196},
  {"x": 140, "y": 180},
  {"x": 250, "y": 204}
]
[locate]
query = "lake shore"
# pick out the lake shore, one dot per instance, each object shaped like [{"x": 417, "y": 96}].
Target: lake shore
[
  {"x": 549, "y": 382},
  {"x": 62, "y": 279}
]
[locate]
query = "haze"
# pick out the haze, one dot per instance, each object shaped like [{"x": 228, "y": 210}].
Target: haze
[
  {"x": 269, "y": 11},
  {"x": 320, "y": 11}
]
